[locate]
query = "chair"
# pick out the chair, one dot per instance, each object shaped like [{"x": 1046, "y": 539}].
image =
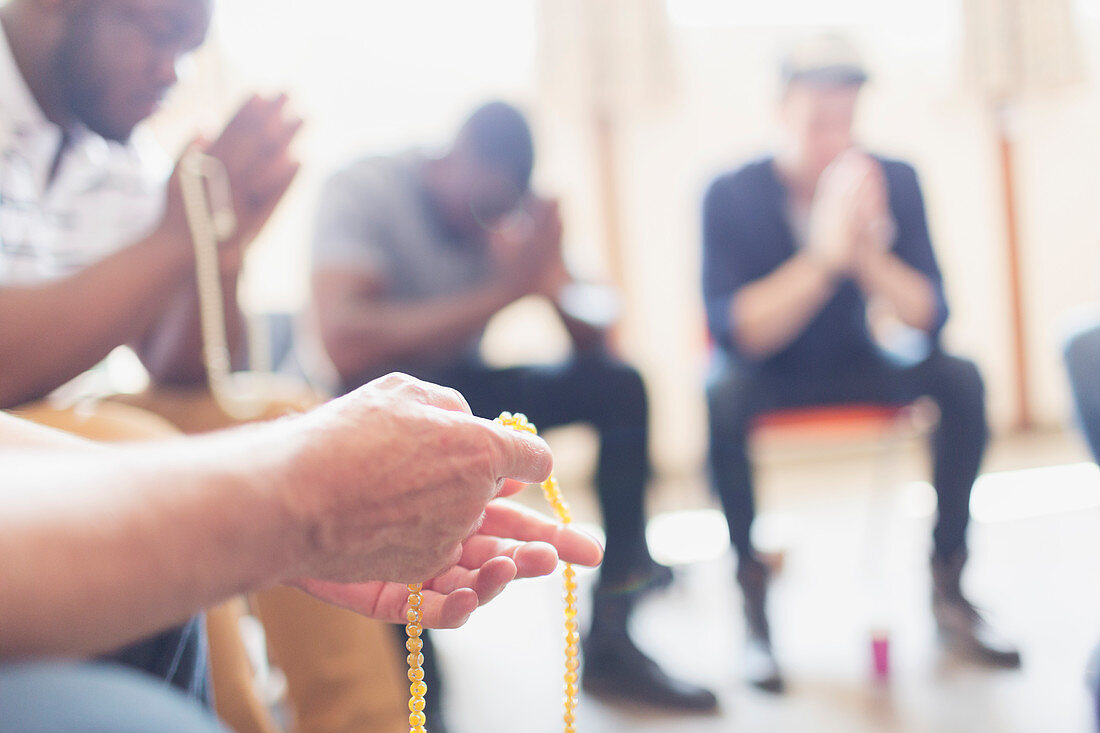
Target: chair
[{"x": 885, "y": 427}]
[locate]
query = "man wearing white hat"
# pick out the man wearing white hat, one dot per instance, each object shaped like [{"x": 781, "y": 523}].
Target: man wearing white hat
[{"x": 796, "y": 246}]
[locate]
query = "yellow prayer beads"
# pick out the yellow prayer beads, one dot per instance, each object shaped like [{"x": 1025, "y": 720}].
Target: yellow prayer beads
[
  {"x": 417, "y": 686},
  {"x": 572, "y": 636}
]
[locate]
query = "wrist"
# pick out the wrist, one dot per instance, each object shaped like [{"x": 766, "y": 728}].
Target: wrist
[
  {"x": 829, "y": 272},
  {"x": 872, "y": 265},
  {"x": 511, "y": 289},
  {"x": 273, "y": 522},
  {"x": 230, "y": 277},
  {"x": 171, "y": 246},
  {"x": 555, "y": 285}
]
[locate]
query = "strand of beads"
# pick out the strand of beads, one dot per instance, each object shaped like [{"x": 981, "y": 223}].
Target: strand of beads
[
  {"x": 572, "y": 636},
  {"x": 414, "y": 628},
  {"x": 417, "y": 686}
]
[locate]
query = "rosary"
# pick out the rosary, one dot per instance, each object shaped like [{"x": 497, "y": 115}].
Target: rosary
[
  {"x": 208, "y": 206},
  {"x": 414, "y": 644}
]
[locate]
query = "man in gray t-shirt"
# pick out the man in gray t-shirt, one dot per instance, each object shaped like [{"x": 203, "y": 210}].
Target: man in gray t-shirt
[{"x": 412, "y": 256}]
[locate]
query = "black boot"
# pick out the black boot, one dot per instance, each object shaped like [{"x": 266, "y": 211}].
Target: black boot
[
  {"x": 760, "y": 667},
  {"x": 652, "y": 575},
  {"x": 960, "y": 624},
  {"x": 614, "y": 668},
  {"x": 645, "y": 576}
]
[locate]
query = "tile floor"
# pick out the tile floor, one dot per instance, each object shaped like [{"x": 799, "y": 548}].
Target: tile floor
[{"x": 1035, "y": 563}]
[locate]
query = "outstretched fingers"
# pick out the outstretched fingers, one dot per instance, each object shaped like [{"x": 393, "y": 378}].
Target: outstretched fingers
[
  {"x": 532, "y": 559},
  {"x": 487, "y": 581},
  {"x": 509, "y": 520}
]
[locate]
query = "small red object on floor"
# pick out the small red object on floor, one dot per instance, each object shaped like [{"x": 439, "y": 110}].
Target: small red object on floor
[{"x": 880, "y": 654}]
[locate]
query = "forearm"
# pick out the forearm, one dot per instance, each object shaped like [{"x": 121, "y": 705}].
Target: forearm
[
  {"x": 363, "y": 335},
  {"x": 908, "y": 291},
  {"x": 770, "y": 313},
  {"x": 587, "y": 312},
  {"x": 173, "y": 349},
  {"x": 52, "y": 332},
  {"x": 584, "y": 334},
  {"x": 106, "y": 546}
]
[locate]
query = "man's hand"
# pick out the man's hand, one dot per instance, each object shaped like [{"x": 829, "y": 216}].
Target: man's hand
[
  {"x": 394, "y": 482},
  {"x": 849, "y": 206},
  {"x": 875, "y": 226},
  {"x": 254, "y": 147},
  {"x": 527, "y": 247},
  {"x": 512, "y": 543},
  {"x": 255, "y": 150},
  {"x": 414, "y": 502}
]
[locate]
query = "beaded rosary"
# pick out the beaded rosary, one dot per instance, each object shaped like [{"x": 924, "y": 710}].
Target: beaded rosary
[
  {"x": 414, "y": 644},
  {"x": 208, "y": 207}
]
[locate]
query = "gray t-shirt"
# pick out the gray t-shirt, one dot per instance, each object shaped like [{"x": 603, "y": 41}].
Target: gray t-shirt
[{"x": 375, "y": 215}]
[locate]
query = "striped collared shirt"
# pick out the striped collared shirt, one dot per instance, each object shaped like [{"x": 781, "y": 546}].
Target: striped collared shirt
[{"x": 104, "y": 195}]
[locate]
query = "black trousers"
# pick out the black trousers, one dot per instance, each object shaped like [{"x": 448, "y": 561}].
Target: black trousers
[
  {"x": 178, "y": 657},
  {"x": 735, "y": 395},
  {"x": 590, "y": 388}
]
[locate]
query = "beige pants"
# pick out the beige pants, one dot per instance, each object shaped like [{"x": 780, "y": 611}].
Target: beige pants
[{"x": 344, "y": 672}]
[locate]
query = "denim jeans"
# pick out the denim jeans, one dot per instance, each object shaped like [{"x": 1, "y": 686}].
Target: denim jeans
[
  {"x": 177, "y": 656},
  {"x": 96, "y": 697}
]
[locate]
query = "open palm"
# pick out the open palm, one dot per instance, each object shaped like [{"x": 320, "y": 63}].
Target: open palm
[{"x": 512, "y": 542}]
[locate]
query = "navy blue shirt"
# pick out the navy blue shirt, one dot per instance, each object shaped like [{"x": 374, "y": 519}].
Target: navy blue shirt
[{"x": 747, "y": 236}]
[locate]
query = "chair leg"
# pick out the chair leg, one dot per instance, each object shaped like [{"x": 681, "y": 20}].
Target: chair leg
[
  {"x": 880, "y": 516},
  {"x": 236, "y": 701}
]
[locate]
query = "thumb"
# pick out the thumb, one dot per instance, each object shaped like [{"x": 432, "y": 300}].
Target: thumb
[{"x": 511, "y": 487}]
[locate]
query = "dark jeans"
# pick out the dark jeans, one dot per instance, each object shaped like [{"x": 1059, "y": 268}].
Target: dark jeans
[
  {"x": 177, "y": 656},
  {"x": 590, "y": 388},
  {"x": 736, "y": 395},
  {"x": 95, "y": 698},
  {"x": 594, "y": 389}
]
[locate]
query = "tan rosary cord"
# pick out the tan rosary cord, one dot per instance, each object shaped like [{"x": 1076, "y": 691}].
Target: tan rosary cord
[{"x": 208, "y": 206}]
